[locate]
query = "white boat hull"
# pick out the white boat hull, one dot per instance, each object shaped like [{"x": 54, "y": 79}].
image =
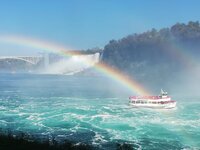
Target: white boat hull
[{"x": 159, "y": 106}]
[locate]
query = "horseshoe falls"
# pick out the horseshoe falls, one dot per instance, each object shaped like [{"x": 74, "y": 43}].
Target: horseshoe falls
[{"x": 73, "y": 64}]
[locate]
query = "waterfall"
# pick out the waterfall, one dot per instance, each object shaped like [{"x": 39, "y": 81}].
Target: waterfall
[{"x": 73, "y": 64}]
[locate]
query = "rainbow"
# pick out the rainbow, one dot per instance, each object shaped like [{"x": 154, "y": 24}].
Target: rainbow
[
  {"x": 114, "y": 74},
  {"x": 182, "y": 55}
]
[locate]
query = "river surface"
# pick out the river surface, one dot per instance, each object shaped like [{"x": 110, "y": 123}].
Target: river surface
[{"x": 95, "y": 111}]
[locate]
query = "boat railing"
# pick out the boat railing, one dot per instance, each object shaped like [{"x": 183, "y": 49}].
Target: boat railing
[{"x": 147, "y": 97}]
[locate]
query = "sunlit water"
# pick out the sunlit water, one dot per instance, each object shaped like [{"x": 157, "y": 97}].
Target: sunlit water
[{"x": 94, "y": 111}]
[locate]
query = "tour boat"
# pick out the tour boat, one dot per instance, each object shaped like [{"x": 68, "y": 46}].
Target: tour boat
[{"x": 161, "y": 101}]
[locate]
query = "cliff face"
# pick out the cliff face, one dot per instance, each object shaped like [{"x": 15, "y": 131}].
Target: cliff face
[{"x": 155, "y": 54}]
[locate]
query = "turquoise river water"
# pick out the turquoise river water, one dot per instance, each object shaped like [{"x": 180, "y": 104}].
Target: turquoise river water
[{"x": 95, "y": 111}]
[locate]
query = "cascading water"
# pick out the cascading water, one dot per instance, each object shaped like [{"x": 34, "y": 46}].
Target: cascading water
[{"x": 72, "y": 65}]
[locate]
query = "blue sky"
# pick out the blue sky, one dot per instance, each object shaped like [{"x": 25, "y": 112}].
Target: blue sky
[{"x": 83, "y": 24}]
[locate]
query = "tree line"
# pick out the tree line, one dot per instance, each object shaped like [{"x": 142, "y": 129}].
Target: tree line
[{"x": 154, "y": 51}]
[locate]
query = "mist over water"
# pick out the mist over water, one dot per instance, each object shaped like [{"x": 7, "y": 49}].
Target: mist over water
[
  {"x": 185, "y": 83},
  {"x": 73, "y": 64}
]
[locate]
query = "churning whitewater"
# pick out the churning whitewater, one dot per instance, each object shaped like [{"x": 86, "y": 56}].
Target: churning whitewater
[{"x": 83, "y": 109}]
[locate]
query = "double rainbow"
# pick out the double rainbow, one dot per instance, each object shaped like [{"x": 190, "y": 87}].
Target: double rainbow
[{"x": 114, "y": 74}]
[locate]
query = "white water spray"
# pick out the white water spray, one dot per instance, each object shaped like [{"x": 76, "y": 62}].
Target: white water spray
[{"x": 72, "y": 65}]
